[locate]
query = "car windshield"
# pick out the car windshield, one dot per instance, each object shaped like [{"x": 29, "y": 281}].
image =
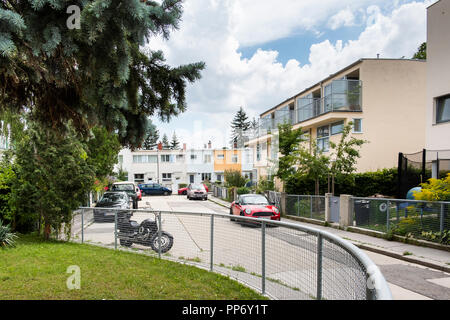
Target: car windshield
[
  {"x": 254, "y": 200},
  {"x": 197, "y": 186},
  {"x": 123, "y": 187},
  {"x": 112, "y": 197}
]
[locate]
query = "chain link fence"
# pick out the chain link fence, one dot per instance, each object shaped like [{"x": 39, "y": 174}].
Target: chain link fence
[
  {"x": 280, "y": 259},
  {"x": 307, "y": 206},
  {"x": 428, "y": 220}
]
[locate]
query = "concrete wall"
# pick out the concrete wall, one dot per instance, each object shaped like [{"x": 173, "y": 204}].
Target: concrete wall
[{"x": 438, "y": 72}]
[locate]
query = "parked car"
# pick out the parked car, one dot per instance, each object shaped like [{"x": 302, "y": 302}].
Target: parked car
[
  {"x": 130, "y": 188},
  {"x": 196, "y": 191},
  {"x": 183, "y": 191},
  {"x": 254, "y": 205},
  {"x": 116, "y": 200},
  {"x": 152, "y": 189},
  {"x": 139, "y": 194}
]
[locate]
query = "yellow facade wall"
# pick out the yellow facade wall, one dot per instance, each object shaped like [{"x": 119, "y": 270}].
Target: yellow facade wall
[{"x": 226, "y": 163}]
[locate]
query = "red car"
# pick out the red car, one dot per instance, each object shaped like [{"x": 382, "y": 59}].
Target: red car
[
  {"x": 183, "y": 191},
  {"x": 254, "y": 205}
]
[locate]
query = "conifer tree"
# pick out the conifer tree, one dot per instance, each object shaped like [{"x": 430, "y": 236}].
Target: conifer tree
[
  {"x": 174, "y": 144},
  {"x": 151, "y": 139},
  {"x": 165, "y": 142},
  {"x": 239, "y": 125},
  {"x": 96, "y": 75}
]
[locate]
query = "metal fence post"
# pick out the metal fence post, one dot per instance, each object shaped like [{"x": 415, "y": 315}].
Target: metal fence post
[
  {"x": 387, "y": 215},
  {"x": 319, "y": 267},
  {"x": 159, "y": 235},
  {"x": 298, "y": 206},
  {"x": 212, "y": 244},
  {"x": 115, "y": 230},
  {"x": 263, "y": 257},
  {"x": 82, "y": 226},
  {"x": 311, "y": 206},
  {"x": 441, "y": 224}
]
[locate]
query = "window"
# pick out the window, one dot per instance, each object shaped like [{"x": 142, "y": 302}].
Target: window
[
  {"x": 323, "y": 134},
  {"x": 144, "y": 159},
  {"x": 180, "y": 158},
  {"x": 167, "y": 176},
  {"x": 443, "y": 109},
  {"x": 139, "y": 178},
  {"x": 193, "y": 156},
  {"x": 357, "y": 125},
  {"x": 258, "y": 152},
  {"x": 219, "y": 177},
  {"x": 235, "y": 159},
  {"x": 165, "y": 158},
  {"x": 206, "y": 176},
  {"x": 220, "y": 156},
  {"x": 207, "y": 158},
  {"x": 337, "y": 127}
]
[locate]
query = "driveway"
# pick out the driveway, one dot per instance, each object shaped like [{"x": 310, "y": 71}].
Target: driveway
[{"x": 290, "y": 254}]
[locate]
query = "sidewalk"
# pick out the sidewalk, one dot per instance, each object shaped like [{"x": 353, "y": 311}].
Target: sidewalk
[{"x": 429, "y": 257}]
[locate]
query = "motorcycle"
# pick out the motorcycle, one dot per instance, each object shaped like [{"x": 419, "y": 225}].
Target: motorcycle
[{"x": 146, "y": 233}]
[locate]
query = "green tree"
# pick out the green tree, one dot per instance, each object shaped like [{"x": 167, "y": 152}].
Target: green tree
[
  {"x": 152, "y": 136},
  {"x": 239, "y": 126},
  {"x": 289, "y": 141},
  {"x": 421, "y": 52},
  {"x": 311, "y": 164},
  {"x": 54, "y": 176},
  {"x": 345, "y": 154},
  {"x": 165, "y": 142},
  {"x": 234, "y": 178},
  {"x": 174, "y": 144},
  {"x": 102, "y": 152},
  {"x": 98, "y": 74}
]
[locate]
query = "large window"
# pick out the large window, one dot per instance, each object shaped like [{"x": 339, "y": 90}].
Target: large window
[
  {"x": 167, "y": 176},
  {"x": 443, "y": 109},
  {"x": 165, "y": 158},
  {"x": 144, "y": 159},
  {"x": 207, "y": 158},
  {"x": 235, "y": 158},
  {"x": 337, "y": 127},
  {"x": 258, "y": 152},
  {"x": 323, "y": 138},
  {"x": 206, "y": 176}
]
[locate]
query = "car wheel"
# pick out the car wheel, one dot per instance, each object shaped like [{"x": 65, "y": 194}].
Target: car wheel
[
  {"x": 231, "y": 214},
  {"x": 166, "y": 193},
  {"x": 184, "y": 192}
]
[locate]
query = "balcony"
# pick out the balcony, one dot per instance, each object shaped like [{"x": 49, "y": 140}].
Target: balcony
[{"x": 340, "y": 95}]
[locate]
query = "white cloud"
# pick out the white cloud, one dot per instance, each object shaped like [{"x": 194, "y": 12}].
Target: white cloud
[
  {"x": 344, "y": 18},
  {"x": 213, "y": 31}
]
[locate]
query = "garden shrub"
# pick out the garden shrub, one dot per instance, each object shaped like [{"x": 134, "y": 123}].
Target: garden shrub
[
  {"x": 182, "y": 185},
  {"x": 7, "y": 238},
  {"x": 243, "y": 190}
]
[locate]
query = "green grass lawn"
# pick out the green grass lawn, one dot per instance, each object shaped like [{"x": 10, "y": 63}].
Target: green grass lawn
[{"x": 35, "y": 269}]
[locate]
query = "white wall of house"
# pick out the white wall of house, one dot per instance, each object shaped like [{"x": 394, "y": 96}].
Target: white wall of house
[{"x": 200, "y": 165}]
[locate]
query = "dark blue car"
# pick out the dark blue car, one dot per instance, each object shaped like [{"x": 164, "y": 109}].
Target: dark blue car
[{"x": 154, "y": 189}]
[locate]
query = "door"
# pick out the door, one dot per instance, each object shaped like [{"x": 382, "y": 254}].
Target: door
[
  {"x": 191, "y": 178},
  {"x": 334, "y": 208}
]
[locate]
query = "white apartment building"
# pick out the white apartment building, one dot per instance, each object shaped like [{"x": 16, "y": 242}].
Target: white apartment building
[
  {"x": 200, "y": 165},
  {"x": 166, "y": 167}
]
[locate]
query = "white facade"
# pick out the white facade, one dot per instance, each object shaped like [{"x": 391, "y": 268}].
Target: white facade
[
  {"x": 166, "y": 167},
  {"x": 438, "y": 86},
  {"x": 200, "y": 165}
]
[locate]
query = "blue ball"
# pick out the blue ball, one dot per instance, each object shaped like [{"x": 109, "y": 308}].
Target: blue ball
[{"x": 409, "y": 194}]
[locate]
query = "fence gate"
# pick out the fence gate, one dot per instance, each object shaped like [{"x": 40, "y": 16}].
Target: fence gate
[{"x": 334, "y": 208}]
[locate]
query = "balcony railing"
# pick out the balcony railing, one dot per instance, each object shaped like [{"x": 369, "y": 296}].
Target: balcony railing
[{"x": 340, "y": 95}]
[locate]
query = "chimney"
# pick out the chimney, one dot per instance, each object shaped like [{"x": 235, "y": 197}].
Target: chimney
[
  {"x": 184, "y": 147},
  {"x": 209, "y": 144},
  {"x": 160, "y": 146}
]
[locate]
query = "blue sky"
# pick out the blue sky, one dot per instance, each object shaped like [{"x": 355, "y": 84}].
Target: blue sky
[{"x": 258, "y": 55}]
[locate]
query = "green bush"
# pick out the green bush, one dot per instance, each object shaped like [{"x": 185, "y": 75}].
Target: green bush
[
  {"x": 230, "y": 194},
  {"x": 7, "y": 238},
  {"x": 264, "y": 184},
  {"x": 182, "y": 185},
  {"x": 234, "y": 178},
  {"x": 243, "y": 190},
  {"x": 357, "y": 184},
  {"x": 441, "y": 237}
]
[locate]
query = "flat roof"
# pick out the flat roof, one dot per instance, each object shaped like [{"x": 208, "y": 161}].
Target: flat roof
[{"x": 334, "y": 75}]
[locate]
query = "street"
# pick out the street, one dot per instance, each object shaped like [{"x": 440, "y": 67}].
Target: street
[{"x": 290, "y": 259}]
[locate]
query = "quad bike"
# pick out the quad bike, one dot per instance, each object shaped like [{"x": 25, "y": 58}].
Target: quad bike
[{"x": 146, "y": 233}]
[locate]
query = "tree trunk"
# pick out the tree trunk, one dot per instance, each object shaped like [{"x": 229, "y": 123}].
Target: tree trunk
[
  {"x": 332, "y": 184},
  {"x": 317, "y": 187},
  {"x": 47, "y": 229}
]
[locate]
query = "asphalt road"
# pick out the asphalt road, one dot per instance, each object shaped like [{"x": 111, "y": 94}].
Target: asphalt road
[{"x": 290, "y": 259}]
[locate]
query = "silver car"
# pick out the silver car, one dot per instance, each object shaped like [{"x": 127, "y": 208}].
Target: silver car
[{"x": 196, "y": 191}]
